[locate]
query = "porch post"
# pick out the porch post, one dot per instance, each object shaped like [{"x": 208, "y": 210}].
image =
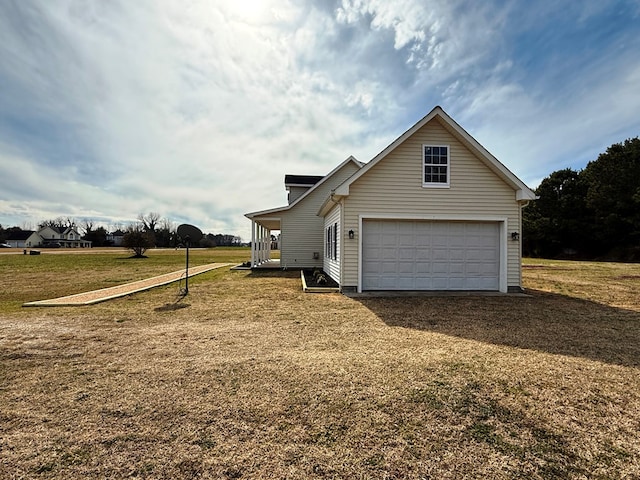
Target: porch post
[
  {"x": 261, "y": 244},
  {"x": 253, "y": 244},
  {"x": 258, "y": 231},
  {"x": 266, "y": 244}
]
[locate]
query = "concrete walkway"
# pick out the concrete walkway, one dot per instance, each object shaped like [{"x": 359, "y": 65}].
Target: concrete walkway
[{"x": 104, "y": 294}]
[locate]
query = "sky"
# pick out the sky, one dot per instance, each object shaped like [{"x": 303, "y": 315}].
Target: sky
[{"x": 197, "y": 109}]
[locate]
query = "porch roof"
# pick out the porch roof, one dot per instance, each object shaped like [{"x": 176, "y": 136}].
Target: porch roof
[{"x": 268, "y": 222}]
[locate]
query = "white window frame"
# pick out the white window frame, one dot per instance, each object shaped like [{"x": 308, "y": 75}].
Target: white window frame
[
  {"x": 331, "y": 242},
  {"x": 425, "y": 164},
  {"x": 334, "y": 242}
]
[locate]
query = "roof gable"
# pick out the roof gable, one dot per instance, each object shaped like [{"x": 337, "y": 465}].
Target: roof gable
[
  {"x": 522, "y": 191},
  {"x": 53, "y": 230}
]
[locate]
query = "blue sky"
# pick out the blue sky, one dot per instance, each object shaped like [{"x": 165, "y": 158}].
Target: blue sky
[{"x": 196, "y": 110}]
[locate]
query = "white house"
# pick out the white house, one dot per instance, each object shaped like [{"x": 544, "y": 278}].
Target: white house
[
  {"x": 62, "y": 237},
  {"x": 116, "y": 238},
  {"x": 48, "y": 237},
  {"x": 432, "y": 211}
]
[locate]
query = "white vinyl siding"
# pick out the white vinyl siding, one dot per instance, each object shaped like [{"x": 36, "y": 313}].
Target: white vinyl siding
[
  {"x": 297, "y": 192},
  {"x": 394, "y": 188},
  {"x": 331, "y": 265},
  {"x": 302, "y": 230}
]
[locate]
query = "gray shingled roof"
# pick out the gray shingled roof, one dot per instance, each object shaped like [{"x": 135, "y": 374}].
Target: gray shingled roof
[
  {"x": 20, "y": 235},
  {"x": 302, "y": 179}
]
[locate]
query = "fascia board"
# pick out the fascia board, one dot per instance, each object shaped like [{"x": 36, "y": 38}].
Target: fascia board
[{"x": 252, "y": 215}]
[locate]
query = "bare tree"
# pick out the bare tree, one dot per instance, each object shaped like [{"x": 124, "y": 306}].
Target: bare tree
[
  {"x": 59, "y": 223},
  {"x": 87, "y": 225},
  {"x": 149, "y": 221}
]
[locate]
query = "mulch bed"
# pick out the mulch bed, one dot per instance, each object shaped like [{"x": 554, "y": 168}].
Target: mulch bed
[{"x": 312, "y": 282}]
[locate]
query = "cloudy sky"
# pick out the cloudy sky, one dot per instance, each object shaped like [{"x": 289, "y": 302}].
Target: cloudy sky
[{"x": 197, "y": 109}]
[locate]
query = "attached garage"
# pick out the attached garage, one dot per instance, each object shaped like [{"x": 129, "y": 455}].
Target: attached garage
[{"x": 430, "y": 255}]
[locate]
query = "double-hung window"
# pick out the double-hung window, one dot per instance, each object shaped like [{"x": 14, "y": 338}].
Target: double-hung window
[
  {"x": 435, "y": 165},
  {"x": 327, "y": 243},
  {"x": 331, "y": 243}
]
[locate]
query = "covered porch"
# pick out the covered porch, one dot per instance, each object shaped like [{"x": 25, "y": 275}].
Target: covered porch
[{"x": 261, "y": 242}]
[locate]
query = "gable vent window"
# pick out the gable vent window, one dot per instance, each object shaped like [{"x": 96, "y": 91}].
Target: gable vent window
[{"x": 436, "y": 165}]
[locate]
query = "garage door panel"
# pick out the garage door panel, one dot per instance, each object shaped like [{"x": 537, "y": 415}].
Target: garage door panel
[
  {"x": 439, "y": 254},
  {"x": 389, "y": 254},
  {"x": 457, "y": 268},
  {"x": 389, "y": 240},
  {"x": 406, "y": 283},
  {"x": 388, "y": 283},
  {"x": 406, "y": 254},
  {"x": 406, "y": 267},
  {"x": 440, "y": 268},
  {"x": 423, "y": 239},
  {"x": 423, "y": 268},
  {"x": 440, "y": 283},
  {"x": 407, "y": 240},
  {"x": 457, "y": 255},
  {"x": 456, "y": 283},
  {"x": 423, "y": 283},
  {"x": 438, "y": 241},
  {"x": 389, "y": 267},
  {"x": 430, "y": 255}
]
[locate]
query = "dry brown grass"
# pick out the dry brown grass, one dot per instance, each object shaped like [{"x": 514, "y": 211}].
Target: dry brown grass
[{"x": 248, "y": 377}]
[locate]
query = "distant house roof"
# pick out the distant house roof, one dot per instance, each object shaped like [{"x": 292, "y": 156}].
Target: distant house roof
[
  {"x": 20, "y": 235},
  {"x": 302, "y": 180}
]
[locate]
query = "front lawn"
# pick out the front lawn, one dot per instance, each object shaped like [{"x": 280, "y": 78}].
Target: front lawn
[{"x": 248, "y": 377}]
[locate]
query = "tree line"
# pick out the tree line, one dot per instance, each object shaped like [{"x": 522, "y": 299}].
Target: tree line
[
  {"x": 593, "y": 213},
  {"x": 150, "y": 230}
]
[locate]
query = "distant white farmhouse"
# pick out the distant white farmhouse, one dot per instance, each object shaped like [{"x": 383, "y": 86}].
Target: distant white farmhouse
[{"x": 65, "y": 237}]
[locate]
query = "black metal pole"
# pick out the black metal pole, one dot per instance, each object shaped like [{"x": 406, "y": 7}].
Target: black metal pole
[{"x": 186, "y": 280}]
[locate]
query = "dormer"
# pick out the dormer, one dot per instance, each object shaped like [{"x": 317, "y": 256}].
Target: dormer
[{"x": 297, "y": 185}]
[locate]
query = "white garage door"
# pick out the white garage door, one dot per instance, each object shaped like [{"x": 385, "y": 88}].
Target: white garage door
[{"x": 430, "y": 255}]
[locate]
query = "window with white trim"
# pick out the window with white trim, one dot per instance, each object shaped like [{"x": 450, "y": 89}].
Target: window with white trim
[
  {"x": 435, "y": 162},
  {"x": 327, "y": 242},
  {"x": 334, "y": 249},
  {"x": 331, "y": 242}
]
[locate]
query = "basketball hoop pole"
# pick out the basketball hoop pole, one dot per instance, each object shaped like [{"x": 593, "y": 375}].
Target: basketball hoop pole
[
  {"x": 187, "y": 240},
  {"x": 187, "y": 233}
]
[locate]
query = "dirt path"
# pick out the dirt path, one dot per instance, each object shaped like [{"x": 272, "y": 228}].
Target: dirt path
[{"x": 104, "y": 294}]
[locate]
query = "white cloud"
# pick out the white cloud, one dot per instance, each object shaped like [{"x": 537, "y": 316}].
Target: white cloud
[{"x": 197, "y": 109}]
